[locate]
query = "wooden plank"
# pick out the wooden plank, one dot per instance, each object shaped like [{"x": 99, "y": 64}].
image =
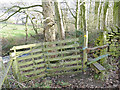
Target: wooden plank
[
  {"x": 65, "y": 63},
  {"x": 62, "y": 41},
  {"x": 25, "y": 63},
  {"x": 33, "y": 72},
  {"x": 96, "y": 59},
  {"x": 26, "y": 68},
  {"x": 40, "y": 65},
  {"x": 61, "y": 47},
  {"x": 33, "y": 77},
  {"x": 63, "y": 58},
  {"x": 28, "y": 51},
  {"x": 26, "y": 46},
  {"x": 97, "y": 48},
  {"x": 63, "y": 68},
  {"x": 31, "y": 67},
  {"x": 97, "y": 65},
  {"x": 5, "y": 73},
  {"x": 59, "y": 52},
  {"x": 44, "y": 43},
  {"x": 29, "y": 56},
  {"x": 38, "y": 61}
]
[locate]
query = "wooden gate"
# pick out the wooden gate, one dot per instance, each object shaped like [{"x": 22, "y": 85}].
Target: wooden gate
[{"x": 46, "y": 59}]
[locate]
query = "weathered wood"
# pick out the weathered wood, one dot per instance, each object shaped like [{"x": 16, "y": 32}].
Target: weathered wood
[
  {"x": 15, "y": 67},
  {"x": 33, "y": 77},
  {"x": 59, "y": 52},
  {"x": 39, "y": 60},
  {"x": 3, "y": 77},
  {"x": 63, "y": 58},
  {"x": 26, "y": 46},
  {"x": 62, "y": 41},
  {"x": 96, "y": 59},
  {"x": 25, "y": 63},
  {"x": 31, "y": 67},
  {"x": 85, "y": 48},
  {"x": 29, "y": 56},
  {"x": 97, "y": 48},
  {"x": 33, "y": 72},
  {"x": 61, "y": 47},
  {"x": 65, "y": 63},
  {"x": 98, "y": 66},
  {"x": 28, "y": 51}
]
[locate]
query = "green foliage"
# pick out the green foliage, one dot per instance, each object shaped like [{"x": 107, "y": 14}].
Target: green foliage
[{"x": 96, "y": 76}]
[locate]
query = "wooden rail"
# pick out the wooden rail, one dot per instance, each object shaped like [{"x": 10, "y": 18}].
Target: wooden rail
[
  {"x": 37, "y": 60},
  {"x": 97, "y": 48}
]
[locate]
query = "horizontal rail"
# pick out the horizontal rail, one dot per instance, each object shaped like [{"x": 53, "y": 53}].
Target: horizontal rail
[
  {"x": 26, "y": 46},
  {"x": 97, "y": 48},
  {"x": 25, "y": 63},
  {"x": 63, "y": 41},
  {"x": 33, "y": 77},
  {"x": 96, "y": 59},
  {"x": 28, "y": 51},
  {"x": 31, "y": 67},
  {"x": 44, "y": 43},
  {"x": 61, "y": 52},
  {"x": 29, "y": 56},
  {"x": 61, "y": 47},
  {"x": 65, "y": 63},
  {"x": 30, "y": 62},
  {"x": 63, "y": 58},
  {"x": 33, "y": 72}
]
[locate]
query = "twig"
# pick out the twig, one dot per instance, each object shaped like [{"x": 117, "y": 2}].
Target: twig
[{"x": 19, "y": 9}]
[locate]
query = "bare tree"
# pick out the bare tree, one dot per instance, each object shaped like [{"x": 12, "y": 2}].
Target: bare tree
[{"x": 59, "y": 19}]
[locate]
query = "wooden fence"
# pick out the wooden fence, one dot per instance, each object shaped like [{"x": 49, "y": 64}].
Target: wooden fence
[
  {"x": 52, "y": 58},
  {"x": 46, "y": 59}
]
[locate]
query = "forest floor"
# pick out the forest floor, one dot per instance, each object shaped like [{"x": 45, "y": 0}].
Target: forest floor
[{"x": 80, "y": 80}]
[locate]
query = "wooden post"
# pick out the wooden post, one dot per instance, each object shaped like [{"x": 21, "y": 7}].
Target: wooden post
[
  {"x": 85, "y": 48},
  {"x": 15, "y": 66},
  {"x": 1, "y": 72}
]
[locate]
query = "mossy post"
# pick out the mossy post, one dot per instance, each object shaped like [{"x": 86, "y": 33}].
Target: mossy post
[
  {"x": 85, "y": 49},
  {"x": 15, "y": 66}
]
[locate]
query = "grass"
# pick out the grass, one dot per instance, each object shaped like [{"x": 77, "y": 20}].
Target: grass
[
  {"x": 13, "y": 30},
  {"x": 13, "y": 34}
]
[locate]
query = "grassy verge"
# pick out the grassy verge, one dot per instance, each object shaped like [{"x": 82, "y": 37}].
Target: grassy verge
[{"x": 13, "y": 34}]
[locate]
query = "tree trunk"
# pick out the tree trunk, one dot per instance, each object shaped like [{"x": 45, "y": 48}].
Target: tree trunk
[
  {"x": 119, "y": 14},
  {"x": 99, "y": 12},
  {"x": 77, "y": 14},
  {"x": 59, "y": 19},
  {"x": 49, "y": 24}
]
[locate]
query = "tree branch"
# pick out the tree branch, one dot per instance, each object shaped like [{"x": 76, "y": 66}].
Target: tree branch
[
  {"x": 19, "y": 8},
  {"x": 70, "y": 10}
]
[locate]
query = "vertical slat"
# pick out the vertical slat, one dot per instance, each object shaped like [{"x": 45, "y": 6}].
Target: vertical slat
[
  {"x": 62, "y": 56},
  {"x": 33, "y": 60},
  {"x": 76, "y": 58}
]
